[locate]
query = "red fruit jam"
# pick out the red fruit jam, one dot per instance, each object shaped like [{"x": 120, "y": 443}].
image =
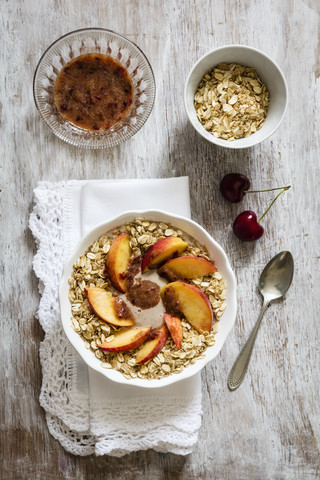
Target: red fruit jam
[{"x": 93, "y": 92}]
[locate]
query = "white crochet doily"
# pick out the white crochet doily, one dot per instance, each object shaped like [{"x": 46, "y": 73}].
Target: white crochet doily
[{"x": 82, "y": 427}]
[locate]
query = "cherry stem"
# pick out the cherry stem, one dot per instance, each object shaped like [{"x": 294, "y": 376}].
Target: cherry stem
[
  {"x": 267, "y": 190},
  {"x": 284, "y": 189}
]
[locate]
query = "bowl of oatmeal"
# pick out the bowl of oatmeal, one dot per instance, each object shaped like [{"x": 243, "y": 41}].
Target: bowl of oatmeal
[
  {"x": 94, "y": 88},
  {"x": 148, "y": 298},
  {"x": 236, "y": 96}
]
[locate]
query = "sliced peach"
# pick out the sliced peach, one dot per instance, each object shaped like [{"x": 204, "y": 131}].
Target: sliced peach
[
  {"x": 127, "y": 339},
  {"x": 186, "y": 267},
  {"x": 109, "y": 308},
  {"x": 117, "y": 261},
  {"x": 161, "y": 251},
  {"x": 191, "y": 302},
  {"x": 153, "y": 346},
  {"x": 175, "y": 328}
]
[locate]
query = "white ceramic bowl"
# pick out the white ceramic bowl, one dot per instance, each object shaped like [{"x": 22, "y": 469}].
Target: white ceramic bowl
[
  {"x": 268, "y": 71},
  {"x": 221, "y": 262}
]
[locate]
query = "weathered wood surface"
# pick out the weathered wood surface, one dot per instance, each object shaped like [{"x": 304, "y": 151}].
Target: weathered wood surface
[{"x": 268, "y": 428}]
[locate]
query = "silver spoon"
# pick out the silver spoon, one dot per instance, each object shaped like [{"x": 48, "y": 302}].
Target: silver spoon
[{"x": 274, "y": 281}]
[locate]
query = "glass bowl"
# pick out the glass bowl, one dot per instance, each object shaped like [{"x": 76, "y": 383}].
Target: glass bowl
[{"x": 101, "y": 41}]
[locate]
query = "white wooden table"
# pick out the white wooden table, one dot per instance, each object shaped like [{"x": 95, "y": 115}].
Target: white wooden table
[{"x": 268, "y": 428}]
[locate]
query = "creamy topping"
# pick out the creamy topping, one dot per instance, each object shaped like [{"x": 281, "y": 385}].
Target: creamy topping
[{"x": 151, "y": 316}]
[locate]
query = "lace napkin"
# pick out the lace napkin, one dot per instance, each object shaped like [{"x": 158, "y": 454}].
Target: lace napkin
[{"x": 86, "y": 412}]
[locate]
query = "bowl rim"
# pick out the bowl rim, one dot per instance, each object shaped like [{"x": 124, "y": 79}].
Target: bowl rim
[
  {"x": 65, "y": 304},
  {"x": 221, "y": 142},
  {"x": 58, "y": 134}
]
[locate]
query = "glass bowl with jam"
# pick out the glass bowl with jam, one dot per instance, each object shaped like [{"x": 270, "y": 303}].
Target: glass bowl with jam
[{"x": 94, "y": 88}]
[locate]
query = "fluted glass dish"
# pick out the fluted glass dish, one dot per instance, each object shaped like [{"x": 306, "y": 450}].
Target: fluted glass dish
[{"x": 99, "y": 41}]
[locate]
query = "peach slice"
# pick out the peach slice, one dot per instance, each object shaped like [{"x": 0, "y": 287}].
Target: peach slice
[
  {"x": 186, "y": 267},
  {"x": 109, "y": 308},
  {"x": 127, "y": 339},
  {"x": 175, "y": 328},
  {"x": 161, "y": 251},
  {"x": 117, "y": 261},
  {"x": 191, "y": 302},
  {"x": 153, "y": 346}
]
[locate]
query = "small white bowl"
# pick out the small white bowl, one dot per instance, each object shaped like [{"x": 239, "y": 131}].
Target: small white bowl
[
  {"x": 268, "y": 71},
  {"x": 221, "y": 262}
]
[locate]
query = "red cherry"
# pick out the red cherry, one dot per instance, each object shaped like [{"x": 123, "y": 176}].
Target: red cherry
[
  {"x": 233, "y": 187},
  {"x": 246, "y": 227}
]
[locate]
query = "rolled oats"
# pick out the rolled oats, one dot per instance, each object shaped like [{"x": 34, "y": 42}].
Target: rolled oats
[{"x": 231, "y": 101}]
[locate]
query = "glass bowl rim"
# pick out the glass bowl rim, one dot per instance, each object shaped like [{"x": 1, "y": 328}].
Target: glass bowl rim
[{"x": 93, "y": 29}]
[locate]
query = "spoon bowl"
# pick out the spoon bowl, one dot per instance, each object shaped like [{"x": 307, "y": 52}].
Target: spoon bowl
[
  {"x": 277, "y": 276},
  {"x": 274, "y": 282}
]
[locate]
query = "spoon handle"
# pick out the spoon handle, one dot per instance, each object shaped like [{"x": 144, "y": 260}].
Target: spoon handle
[{"x": 240, "y": 366}]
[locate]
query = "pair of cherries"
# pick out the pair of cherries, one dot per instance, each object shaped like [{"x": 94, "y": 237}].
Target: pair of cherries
[{"x": 246, "y": 226}]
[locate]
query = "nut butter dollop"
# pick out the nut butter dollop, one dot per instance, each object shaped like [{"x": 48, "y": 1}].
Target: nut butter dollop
[
  {"x": 122, "y": 310},
  {"x": 144, "y": 294},
  {"x": 171, "y": 302}
]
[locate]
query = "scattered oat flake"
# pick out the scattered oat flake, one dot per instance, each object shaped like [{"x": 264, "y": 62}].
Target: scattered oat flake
[
  {"x": 106, "y": 365},
  {"x": 109, "y": 339}
]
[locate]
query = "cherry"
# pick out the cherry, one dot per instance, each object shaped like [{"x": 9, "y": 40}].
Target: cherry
[
  {"x": 234, "y": 186},
  {"x": 246, "y": 227}
]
